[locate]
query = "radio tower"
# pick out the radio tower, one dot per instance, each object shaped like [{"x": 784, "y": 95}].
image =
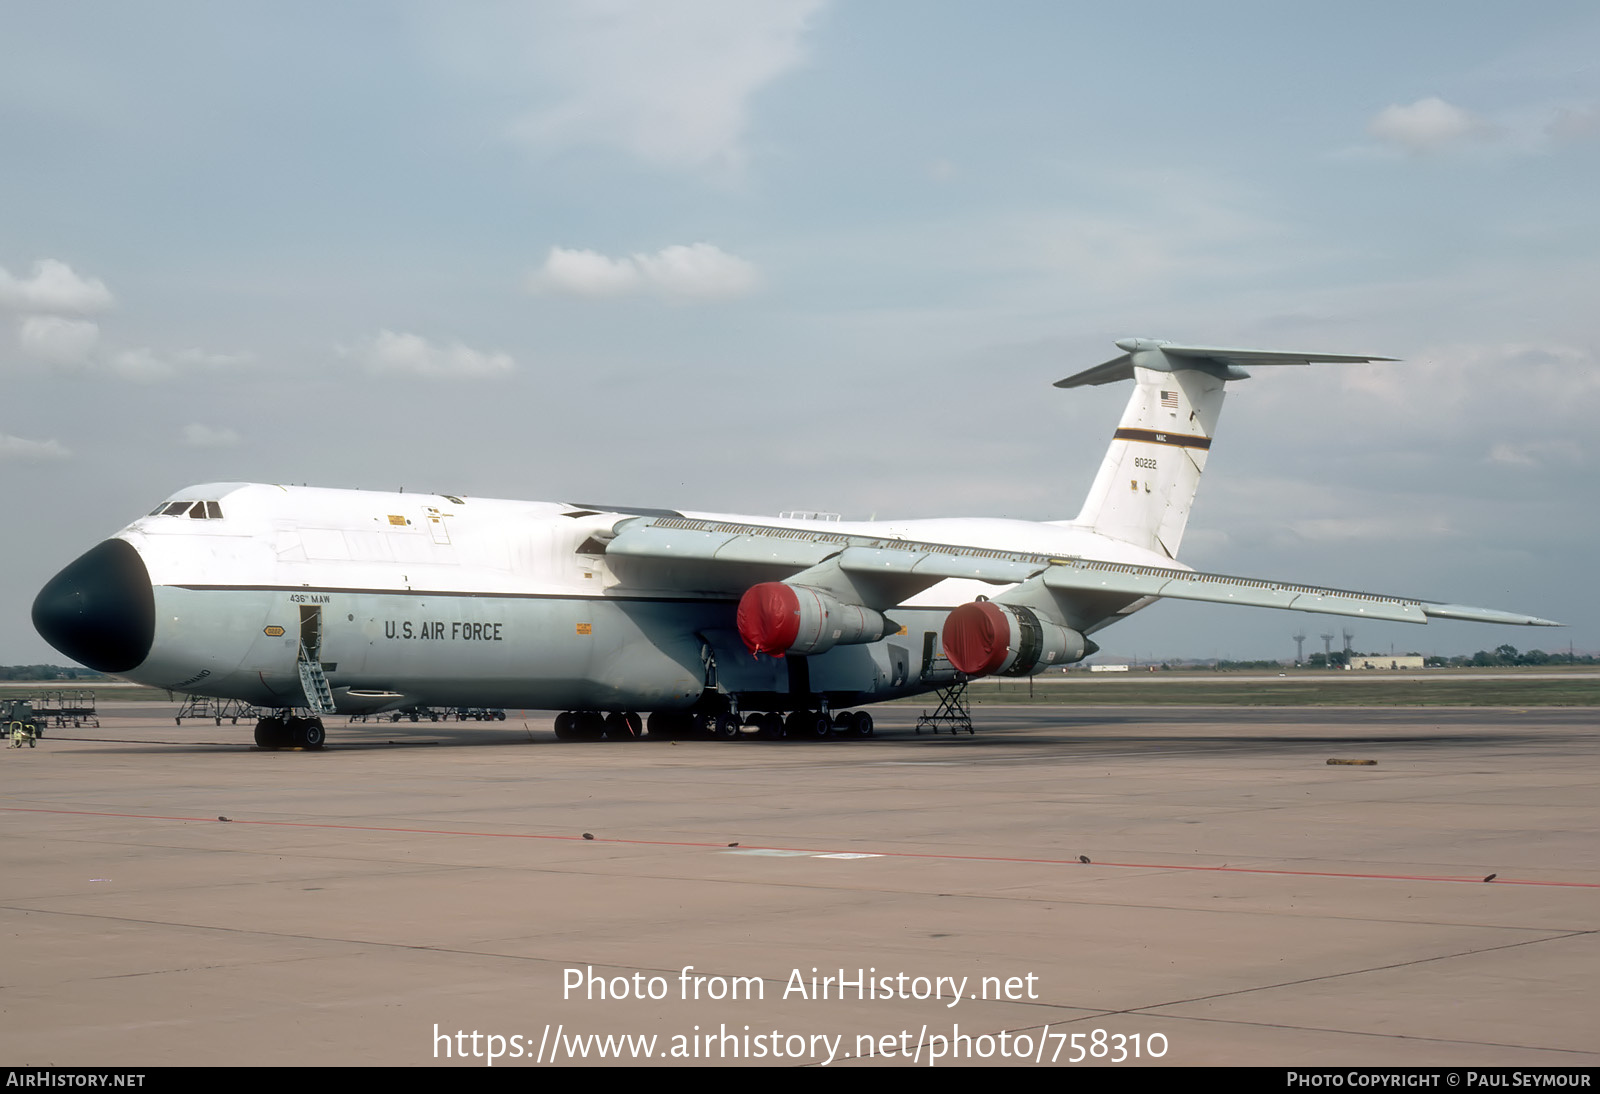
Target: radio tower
[
  {"x": 1299, "y": 647},
  {"x": 1327, "y": 647},
  {"x": 1347, "y": 636}
]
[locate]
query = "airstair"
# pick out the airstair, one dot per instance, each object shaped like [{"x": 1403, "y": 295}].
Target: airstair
[{"x": 319, "y": 696}]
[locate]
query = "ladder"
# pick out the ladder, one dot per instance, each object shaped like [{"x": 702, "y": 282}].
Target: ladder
[
  {"x": 953, "y": 711},
  {"x": 319, "y": 696}
]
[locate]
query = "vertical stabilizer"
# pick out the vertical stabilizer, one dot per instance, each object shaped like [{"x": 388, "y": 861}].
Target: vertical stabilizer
[
  {"x": 1147, "y": 482},
  {"x": 1148, "y": 479}
]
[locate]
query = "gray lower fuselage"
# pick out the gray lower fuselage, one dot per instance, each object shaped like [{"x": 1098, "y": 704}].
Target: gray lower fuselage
[{"x": 384, "y": 650}]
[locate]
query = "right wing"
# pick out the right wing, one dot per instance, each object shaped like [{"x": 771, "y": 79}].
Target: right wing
[{"x": 684, "y": 554}]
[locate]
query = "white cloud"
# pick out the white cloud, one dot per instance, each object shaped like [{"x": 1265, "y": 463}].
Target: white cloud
[
  {"x": 698, "y": 270},
  {"x": 53, "y": 287},
  {"x": 1426, "y": 125},
  {"x": 199, "y": 358},
  {"x": 585, "y": 273},
  {"x": 198, "y": 435},
  {"x": 411, "y": 354},
  {"x": 141, "y": 365},
  {"x": 670, "y": 84},
  {"x": 20, "y": 448},
  {"x": 58, "y": 341},
  {"x": 1534, "y": 453},
  {"x": 701, "y": 271}
]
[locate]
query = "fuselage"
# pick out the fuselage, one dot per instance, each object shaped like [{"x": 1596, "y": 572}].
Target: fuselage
[{"x": 409, "y": 599}]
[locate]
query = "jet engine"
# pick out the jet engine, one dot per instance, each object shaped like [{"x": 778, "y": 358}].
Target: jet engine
[
  {"x": 776, "y": 618},
  {"x": 984, "y": 638}
]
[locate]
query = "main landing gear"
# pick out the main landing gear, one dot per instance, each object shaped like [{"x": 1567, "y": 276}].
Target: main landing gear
[
  {"x": 802, "y": 725},
  {"x": 591, "y": 725},
  {"x": 283, "y": 730}
]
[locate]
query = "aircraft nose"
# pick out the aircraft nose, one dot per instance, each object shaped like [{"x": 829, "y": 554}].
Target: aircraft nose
[{"x": 100, "y": 610}]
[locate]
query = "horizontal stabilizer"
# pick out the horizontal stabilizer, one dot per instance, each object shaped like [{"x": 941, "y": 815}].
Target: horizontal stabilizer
[{"x": 1226, "y": 364}]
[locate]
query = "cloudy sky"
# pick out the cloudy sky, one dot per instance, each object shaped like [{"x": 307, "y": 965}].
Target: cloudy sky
[{"x": 748, "y": 257}]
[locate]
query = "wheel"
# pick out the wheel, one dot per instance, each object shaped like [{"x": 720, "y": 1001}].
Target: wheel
[
  {"x": 621, "y": 726},
  {"x": 724, "y": 727},
  {"x": 808, "y": 725},
  {"x": 770, "y": 727},
  {"x": 863, "y": 723},
  {"x": 271, "y": 733},
  {"x": 311, "y": 734},
  {"x": 669, "y": 725},
  {"x": 566, "y": 726}
]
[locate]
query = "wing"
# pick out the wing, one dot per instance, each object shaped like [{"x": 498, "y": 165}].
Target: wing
[{"x": 683, "y": 554}]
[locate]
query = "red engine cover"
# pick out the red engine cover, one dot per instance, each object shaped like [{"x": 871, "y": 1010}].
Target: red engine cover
[
  {"x": 769, "y": 617},
  {"x": 977, "y": 637}
]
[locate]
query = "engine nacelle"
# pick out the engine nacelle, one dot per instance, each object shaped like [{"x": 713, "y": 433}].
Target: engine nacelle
[
  {"x": 988, "y": 639},
  {"x": 775, "y": 618}
]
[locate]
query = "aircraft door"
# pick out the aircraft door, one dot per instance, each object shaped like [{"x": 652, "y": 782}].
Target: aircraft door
[{"x": 311, "y": 631}]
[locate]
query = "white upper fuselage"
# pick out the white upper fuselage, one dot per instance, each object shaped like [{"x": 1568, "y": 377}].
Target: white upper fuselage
[{"x": 289, "y": 536}]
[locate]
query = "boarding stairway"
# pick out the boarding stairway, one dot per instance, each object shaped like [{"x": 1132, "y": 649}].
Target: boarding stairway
[{"x": 319, "y": 696}]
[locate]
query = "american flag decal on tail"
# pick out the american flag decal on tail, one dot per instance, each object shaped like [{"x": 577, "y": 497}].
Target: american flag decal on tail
[{"x": 1169, "y": 399}]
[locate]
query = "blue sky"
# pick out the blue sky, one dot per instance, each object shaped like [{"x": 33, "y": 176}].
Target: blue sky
[{"x": 754, "y": 257}]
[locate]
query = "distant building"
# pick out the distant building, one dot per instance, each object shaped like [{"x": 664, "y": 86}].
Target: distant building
[
  {"x": 1384, "y": 661},
  {"x": 1108, "y": 668}
]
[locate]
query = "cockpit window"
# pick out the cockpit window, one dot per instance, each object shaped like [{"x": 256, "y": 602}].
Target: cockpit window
[{"x": 197, "y": 510}]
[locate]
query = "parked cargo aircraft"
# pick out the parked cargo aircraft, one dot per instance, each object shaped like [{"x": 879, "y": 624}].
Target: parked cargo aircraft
[{"x": 311, "y": 601}]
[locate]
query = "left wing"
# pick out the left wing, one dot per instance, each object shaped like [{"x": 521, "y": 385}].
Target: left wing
[{"x": 685, "y": 554}]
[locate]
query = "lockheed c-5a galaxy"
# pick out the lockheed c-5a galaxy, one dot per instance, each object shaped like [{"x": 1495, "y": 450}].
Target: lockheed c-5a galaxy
[{"x": 308, "y": 602}]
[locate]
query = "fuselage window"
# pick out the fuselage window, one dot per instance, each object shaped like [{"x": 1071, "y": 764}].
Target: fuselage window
[
  {"x": 178, "y": 508},
  {"x": 199, "y": 511},
  {"x": 213, "y": 511}
]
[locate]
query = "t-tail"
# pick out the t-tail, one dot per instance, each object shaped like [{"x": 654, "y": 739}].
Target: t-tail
[{"x": 1147, "y": 482}]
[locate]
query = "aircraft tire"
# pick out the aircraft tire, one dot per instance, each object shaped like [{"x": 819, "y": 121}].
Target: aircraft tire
[
  {"x": 566, "y": 730},
  {"x": 311, "y": 734},
  {"x": 863, "y": 724},
  {"x": 667, "y": 725},
  {"x": 808, "y": 725},
  {"x": 272, "y": 733},
  {"x": 623, "y": 726},
  {"x": 725, "y": 727},
  {"x": 770, "y": 727}
]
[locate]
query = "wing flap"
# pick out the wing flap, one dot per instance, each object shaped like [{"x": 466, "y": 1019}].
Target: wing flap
[
  {"x": 1222, "y": 589},
  {"x": 937, "y": 565}
]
